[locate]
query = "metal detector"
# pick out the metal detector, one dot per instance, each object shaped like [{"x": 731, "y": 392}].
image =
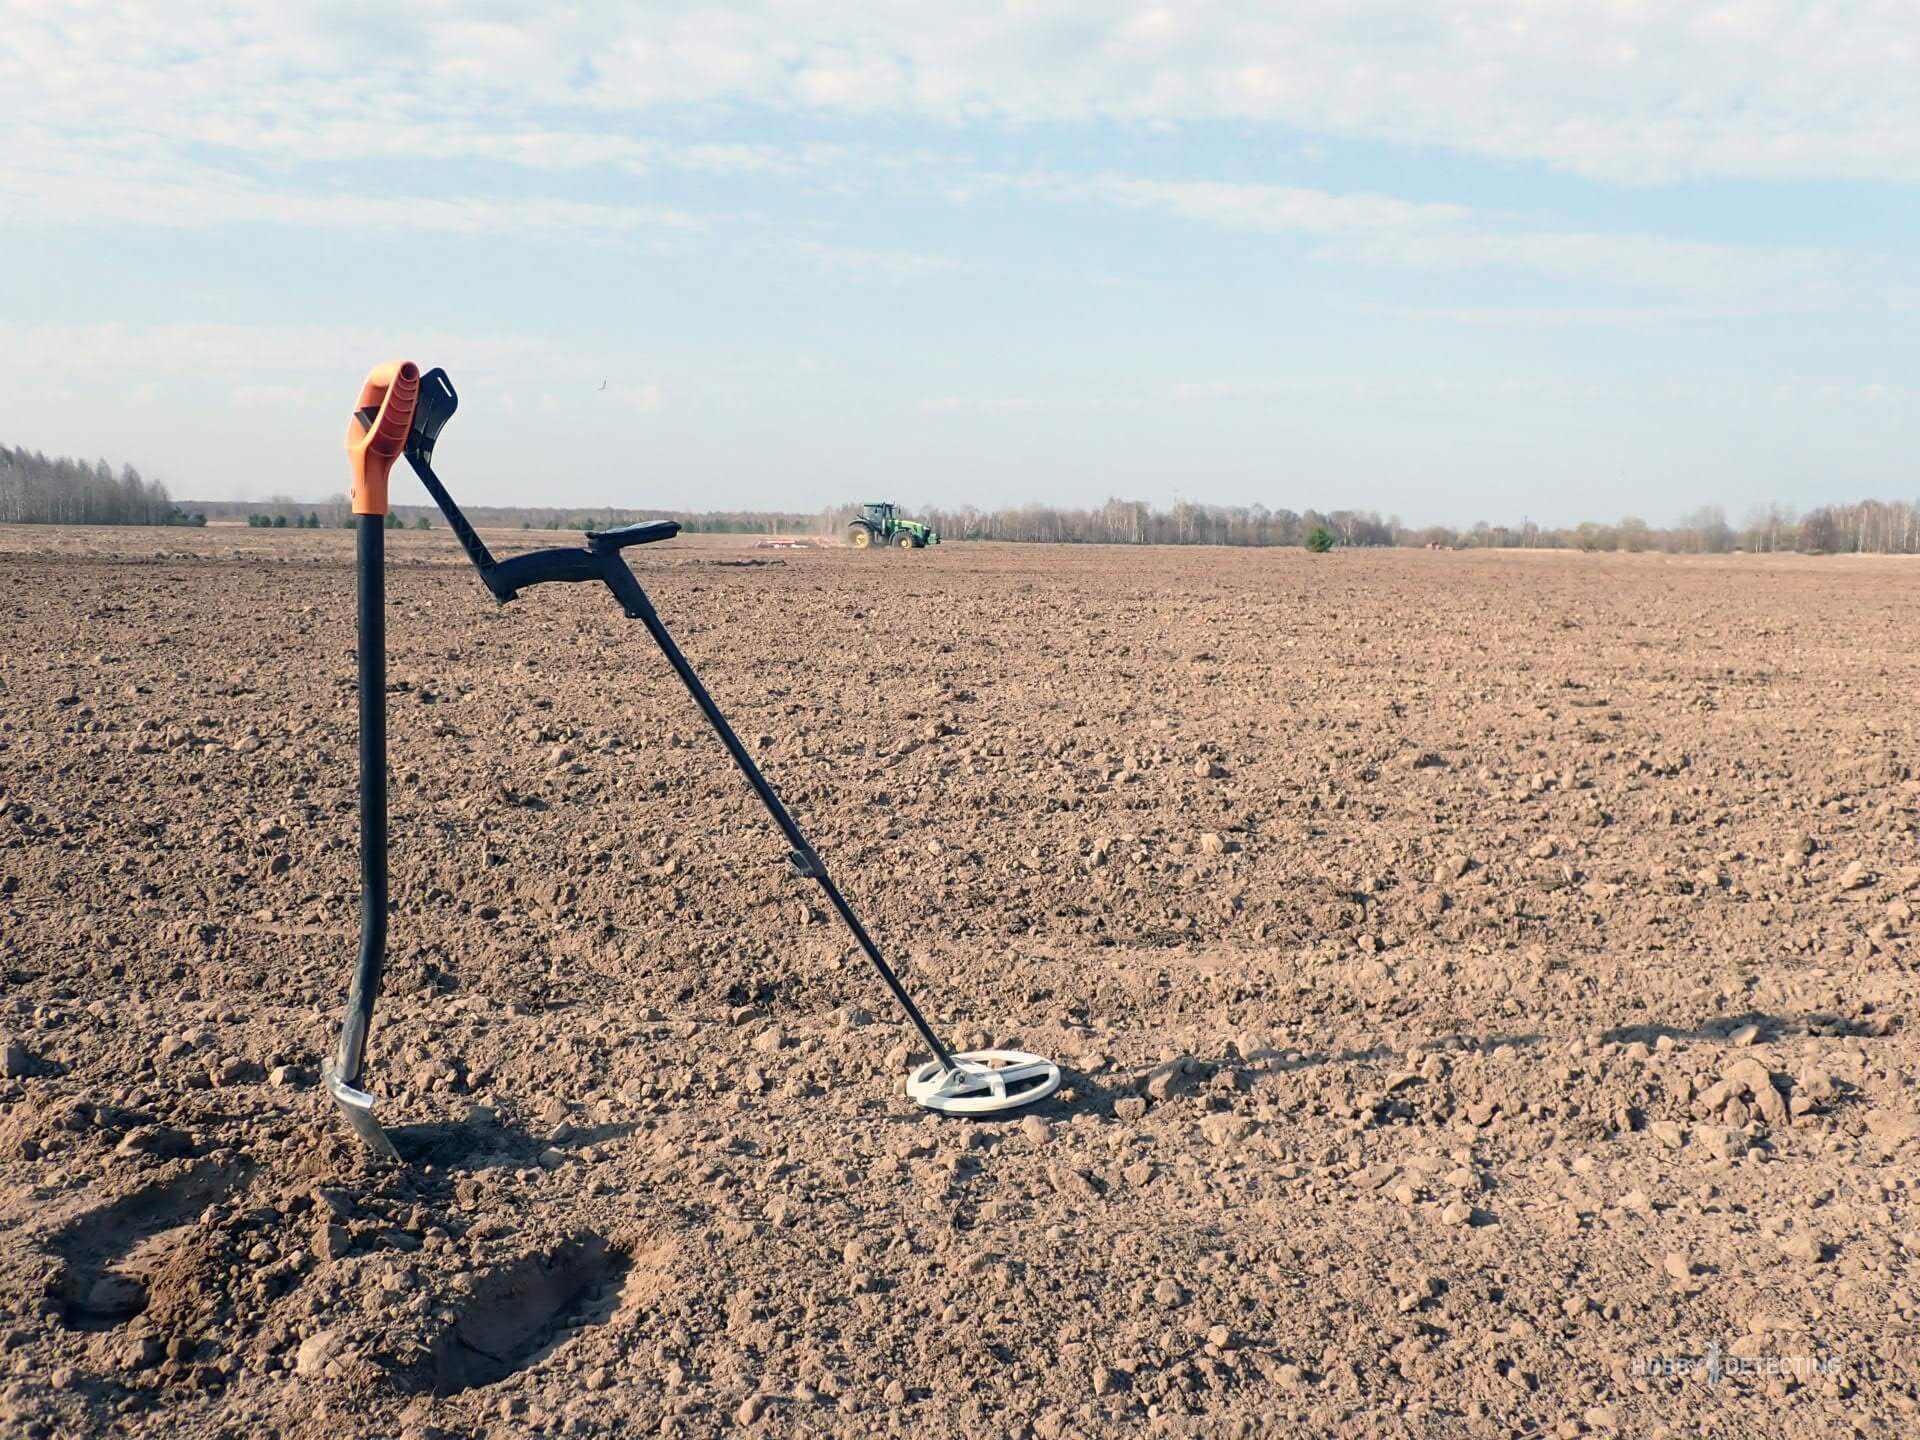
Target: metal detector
[{"x": 401, "y": 410}]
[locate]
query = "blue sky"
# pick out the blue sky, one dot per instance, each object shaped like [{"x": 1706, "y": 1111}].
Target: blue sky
[{"x": 1498, "y": 258}]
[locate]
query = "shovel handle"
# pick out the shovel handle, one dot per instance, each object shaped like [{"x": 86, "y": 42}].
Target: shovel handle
[{"x": 377, "y": 431}]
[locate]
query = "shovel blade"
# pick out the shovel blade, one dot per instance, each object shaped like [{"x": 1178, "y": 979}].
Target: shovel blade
[{"x": 357, "y": 1106}]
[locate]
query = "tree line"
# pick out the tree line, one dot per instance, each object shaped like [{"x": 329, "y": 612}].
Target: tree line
[
  {"x": 1880, "y": 527},
  {"x": 1862, "y": 527},
  {"x": 36, "y": 490},
  {"x": 1134, "y": 522}
]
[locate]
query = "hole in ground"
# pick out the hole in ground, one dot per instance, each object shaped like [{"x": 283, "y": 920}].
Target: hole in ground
[
  {"x": 518, "y": 1311},
  {"x": 109, "y": 1251}
]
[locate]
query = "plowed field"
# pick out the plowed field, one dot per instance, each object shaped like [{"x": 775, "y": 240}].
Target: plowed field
[{"x": 1486, "y": 986}]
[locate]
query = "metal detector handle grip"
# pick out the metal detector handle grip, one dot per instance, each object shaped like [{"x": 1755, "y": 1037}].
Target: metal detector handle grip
[{"x": 377, "y": 431}]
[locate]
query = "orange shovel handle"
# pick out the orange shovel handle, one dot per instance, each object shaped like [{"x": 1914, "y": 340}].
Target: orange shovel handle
[{"x": 377, "y": 431}]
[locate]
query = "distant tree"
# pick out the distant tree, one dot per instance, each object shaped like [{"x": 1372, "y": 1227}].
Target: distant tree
[
  {"x": 421, "y": 522},
  {"x": 1819, "y": 532},
  {"x": 1705, "y": 532},
  {"x": 1319, "y": 540}
]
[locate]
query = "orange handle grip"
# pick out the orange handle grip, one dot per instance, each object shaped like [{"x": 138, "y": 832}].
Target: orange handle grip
[{"x": 377, "y": 431}]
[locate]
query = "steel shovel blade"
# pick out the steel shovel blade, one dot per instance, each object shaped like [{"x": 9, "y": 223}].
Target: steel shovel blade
[{"x": 357, "y": 1106}]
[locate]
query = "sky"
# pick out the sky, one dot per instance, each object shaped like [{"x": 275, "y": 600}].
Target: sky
[{"x": 1563, "y": 259}]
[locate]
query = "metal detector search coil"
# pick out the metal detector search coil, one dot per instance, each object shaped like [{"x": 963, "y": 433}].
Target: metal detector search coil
[
  {"x": 398, "y": 401},
  {"x": 983, "y": 1082}
]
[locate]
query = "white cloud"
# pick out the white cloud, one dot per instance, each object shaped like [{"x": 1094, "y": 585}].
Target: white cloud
[
  {"x": 98, "y": 186},
  {"x": 1628, "y": 90},
  {"x": 121, "y": 114},
  {"x": 853, "y": 82},
  {"x": 1384, "y": 230},
  {"x": 1275, "y": 207}
]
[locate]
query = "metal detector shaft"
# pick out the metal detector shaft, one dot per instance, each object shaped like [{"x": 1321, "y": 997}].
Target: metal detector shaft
[
  {"x": 601, "y": 560},
  {"x": 634, "y": 601}
]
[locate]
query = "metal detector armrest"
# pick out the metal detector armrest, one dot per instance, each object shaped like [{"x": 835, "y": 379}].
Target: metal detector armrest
[
  {"x": 537, "y": 567},
  {"x": 507, "y": 578},
  {"x": 608, "y": 542}
]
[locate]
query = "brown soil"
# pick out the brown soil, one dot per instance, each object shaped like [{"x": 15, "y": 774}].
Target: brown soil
[{"x": 1483, "y": 980}]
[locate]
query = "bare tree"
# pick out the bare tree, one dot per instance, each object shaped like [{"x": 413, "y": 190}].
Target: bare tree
[{"x": 35, "y": 490}]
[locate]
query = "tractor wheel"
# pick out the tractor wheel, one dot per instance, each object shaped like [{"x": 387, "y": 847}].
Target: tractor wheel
[
  {"x": 860, "y": 537},
  {"x": 906, "y": 542}
]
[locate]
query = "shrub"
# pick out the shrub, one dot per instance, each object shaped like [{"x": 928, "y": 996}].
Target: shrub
[{"x": 1319, "y": 540}]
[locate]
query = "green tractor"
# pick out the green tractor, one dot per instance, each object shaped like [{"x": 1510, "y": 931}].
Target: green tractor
[{"x": 880, "y": 524}]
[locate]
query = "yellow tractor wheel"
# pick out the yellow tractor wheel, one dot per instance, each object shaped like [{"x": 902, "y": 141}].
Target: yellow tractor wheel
[
  {"x": 905, "y": 542},
  {"x": 861, "y": 537}
]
